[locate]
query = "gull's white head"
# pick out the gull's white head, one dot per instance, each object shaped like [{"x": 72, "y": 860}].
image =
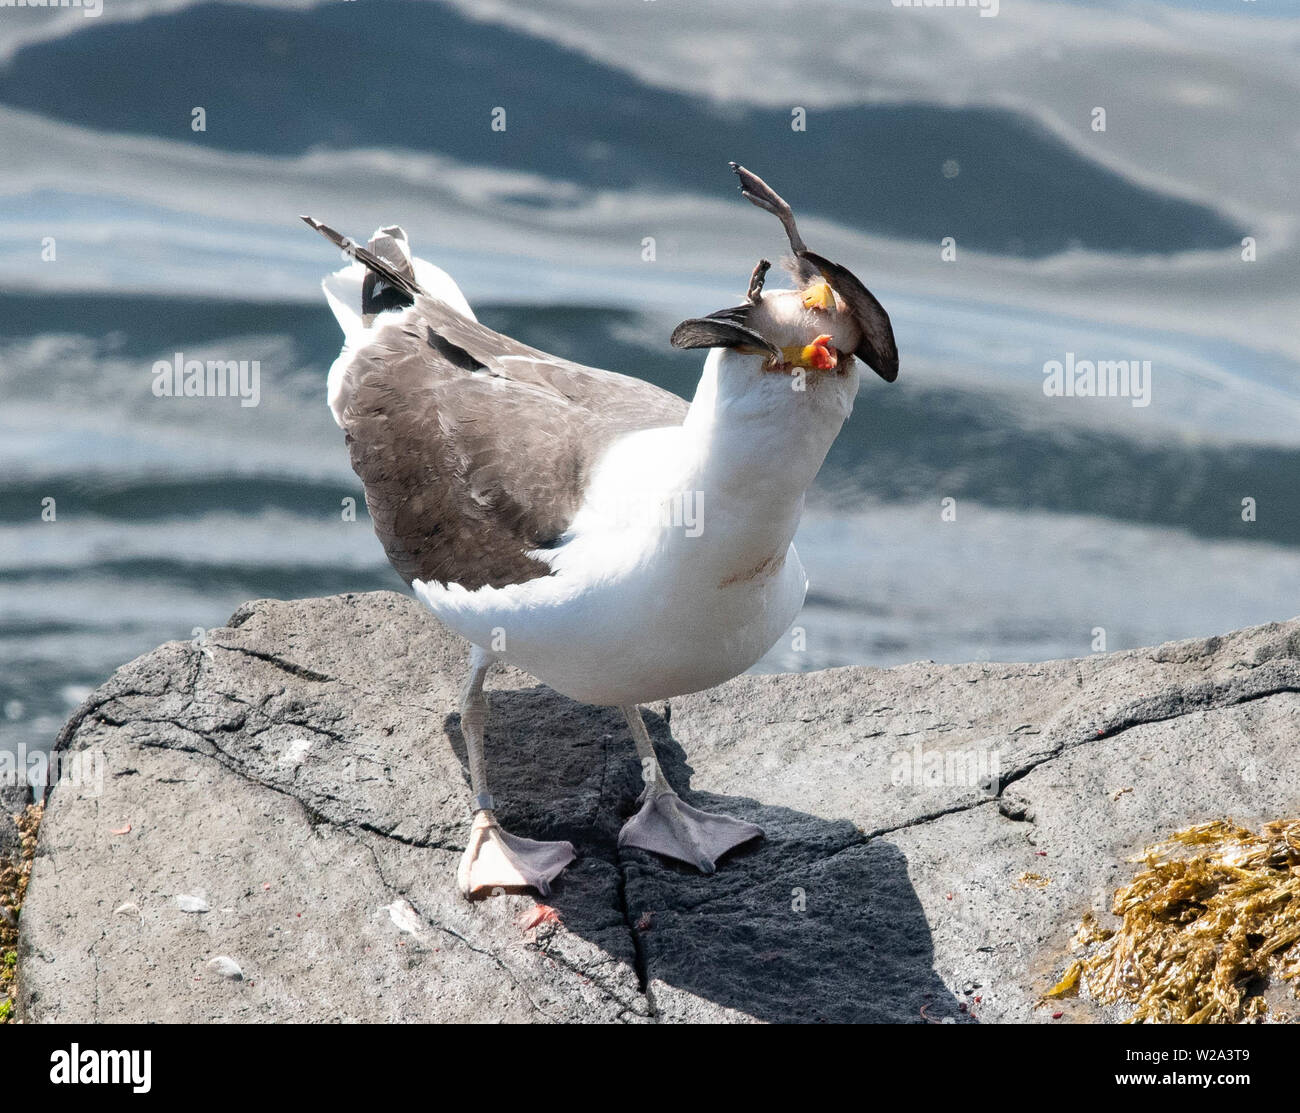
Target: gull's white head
[{"x": 828, "y": 319}]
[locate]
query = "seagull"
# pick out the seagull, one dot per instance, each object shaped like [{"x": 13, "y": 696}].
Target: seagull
[{"x": 594, "y": 530}]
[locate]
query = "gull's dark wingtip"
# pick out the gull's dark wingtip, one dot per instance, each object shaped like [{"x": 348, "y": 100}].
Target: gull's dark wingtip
[{"x": 377, "y": 266}]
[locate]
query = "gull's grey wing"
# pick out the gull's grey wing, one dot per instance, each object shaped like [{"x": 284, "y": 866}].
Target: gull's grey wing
[{"x": 474, "y": 448}]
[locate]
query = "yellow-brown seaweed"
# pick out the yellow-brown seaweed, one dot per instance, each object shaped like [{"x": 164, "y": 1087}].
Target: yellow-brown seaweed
[{"x": 1212, "y": 918}]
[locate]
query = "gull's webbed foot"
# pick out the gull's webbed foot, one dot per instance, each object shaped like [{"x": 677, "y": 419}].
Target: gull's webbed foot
[
  {"x": 495, "y": 858},
  {"x": 667, "y": 825}
]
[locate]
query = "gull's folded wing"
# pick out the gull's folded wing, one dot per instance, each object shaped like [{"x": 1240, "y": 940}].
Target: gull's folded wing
[{"x": 474, "y": 448}]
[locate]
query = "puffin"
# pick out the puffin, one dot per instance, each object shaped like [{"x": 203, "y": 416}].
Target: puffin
[{"x": 596, "y": 531}]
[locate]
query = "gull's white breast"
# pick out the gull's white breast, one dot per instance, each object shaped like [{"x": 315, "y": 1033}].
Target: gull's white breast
[{"x": 656, "y": 590}]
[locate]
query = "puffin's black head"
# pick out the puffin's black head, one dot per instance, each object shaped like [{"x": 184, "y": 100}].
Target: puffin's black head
[{"x": 828, "y": 314}]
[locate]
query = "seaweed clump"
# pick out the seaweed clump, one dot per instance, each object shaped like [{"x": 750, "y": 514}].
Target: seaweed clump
[
  {"x": 1210, "y": 921},
  {"x": 14, "y": 875}
]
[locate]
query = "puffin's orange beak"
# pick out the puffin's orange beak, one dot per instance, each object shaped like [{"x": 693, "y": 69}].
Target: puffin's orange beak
[
  {"x": 817, "y": 356},
  {"x": 819, "y": 296}
]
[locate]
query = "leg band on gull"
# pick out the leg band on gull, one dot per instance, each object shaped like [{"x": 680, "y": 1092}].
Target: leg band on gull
[{"x": 495, "y": 858}]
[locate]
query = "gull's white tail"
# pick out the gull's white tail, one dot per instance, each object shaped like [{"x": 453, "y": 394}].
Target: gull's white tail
[{"x": 383, "y": 279}]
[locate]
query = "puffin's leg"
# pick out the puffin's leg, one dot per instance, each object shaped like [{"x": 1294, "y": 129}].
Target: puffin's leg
[
  {"x": 668, "y": 825},
  {"x": 495, "y": 858}
]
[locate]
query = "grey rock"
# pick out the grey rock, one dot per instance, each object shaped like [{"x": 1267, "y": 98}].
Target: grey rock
[
  {"x": 13, "y": 799},
  {"x": 304, "y": 770}
]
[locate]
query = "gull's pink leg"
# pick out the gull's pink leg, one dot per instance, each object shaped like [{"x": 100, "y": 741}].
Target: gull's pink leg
[
  {"x": 495, "y": 858},
  {"x": 668, "y": 825}
]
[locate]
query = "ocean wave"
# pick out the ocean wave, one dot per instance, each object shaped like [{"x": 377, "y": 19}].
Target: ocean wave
[{"x": 931, "y": 170}]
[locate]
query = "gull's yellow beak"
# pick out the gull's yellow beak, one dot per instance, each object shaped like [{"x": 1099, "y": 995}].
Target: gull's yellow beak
[
  {"x": 819, "y": 296},
  {"x": 817, "y": 356}
]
